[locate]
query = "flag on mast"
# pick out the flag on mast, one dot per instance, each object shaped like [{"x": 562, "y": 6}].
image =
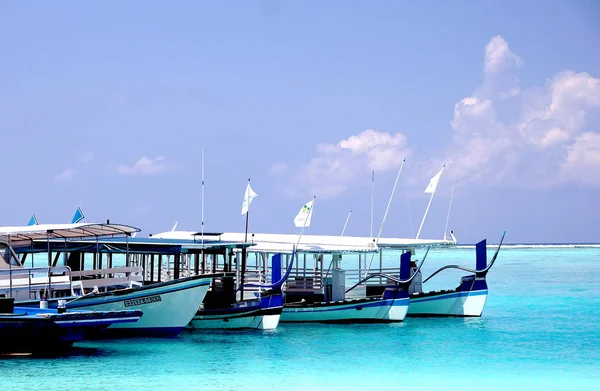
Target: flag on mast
[
  {"x": 303, "y": 217},
  {"x": 433, "y": 182},
  {"x": 248, "y": 197},
  {"x": 33, "y": 221},
  {"x": 78, "y": 216}
]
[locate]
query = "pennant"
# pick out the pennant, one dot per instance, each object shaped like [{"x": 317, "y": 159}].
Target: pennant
[
  {"x": 78, "y": 216},
  {"x": 33, "y": 221},
  {"x": 248, "y": 197},
  {"x": 303, "y": 217},
  {"x": 433, "y": 182}
]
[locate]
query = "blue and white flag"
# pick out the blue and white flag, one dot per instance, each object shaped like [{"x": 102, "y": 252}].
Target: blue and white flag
[
  {"x": 33, "y": 220},
  {"x": 78, "y": 216}
]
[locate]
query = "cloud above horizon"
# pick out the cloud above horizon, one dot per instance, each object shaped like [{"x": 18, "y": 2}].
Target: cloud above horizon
[
  {"x": 336, "y": 166},
  {"x": 502, "y": 133},
  {"x": 144, "y": 166},
  {"x": 528, "y": 137}
]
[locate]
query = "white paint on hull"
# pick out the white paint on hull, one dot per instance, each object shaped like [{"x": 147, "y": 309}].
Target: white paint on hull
[
  {"x": 397, "y": 311},
  {"x": 449, "y": 304},
  {"x": 377, "y": 310},
  {"x": 174, "y": 310},
  {"x": 261, "y": 322},
  {"x": 269, "y": 322}
]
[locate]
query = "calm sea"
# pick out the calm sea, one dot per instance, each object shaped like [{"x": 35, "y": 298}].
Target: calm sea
[{"x": 540, "y": 330}]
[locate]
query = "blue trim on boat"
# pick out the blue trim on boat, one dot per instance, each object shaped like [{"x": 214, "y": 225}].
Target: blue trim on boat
[
  {"x": 85, "y": 302},
  {"x": 450, "y": 296},
  {"x": 349, "y": 306}
]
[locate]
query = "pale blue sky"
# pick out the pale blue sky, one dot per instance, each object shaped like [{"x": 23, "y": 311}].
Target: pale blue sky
[{"x": 87, "y": 89}]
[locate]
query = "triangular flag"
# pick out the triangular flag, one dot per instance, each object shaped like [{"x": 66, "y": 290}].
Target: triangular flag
[
  {"x": 303, "y": 217},
  {"x": 248, "y": 197},
  {"x": 78, "y": 216},
  {"x": 433, "y": 182},
  {"x": 33, "y": 220}
]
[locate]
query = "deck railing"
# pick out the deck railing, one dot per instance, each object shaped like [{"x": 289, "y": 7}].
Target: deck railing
[{"x": 36, "y": 280}]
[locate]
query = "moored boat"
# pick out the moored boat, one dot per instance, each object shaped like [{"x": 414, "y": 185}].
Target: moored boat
[
  {"x": 466, "y": 300},
  {"x": 43, "y": 330},
  {"x": 168, "y": 305}
]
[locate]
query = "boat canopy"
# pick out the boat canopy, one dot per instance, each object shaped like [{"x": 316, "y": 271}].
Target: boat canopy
[
  {"x": 130, "y": 245},
  {"x": 282, "y": 243},
  {"x": 63, "y": 231}
]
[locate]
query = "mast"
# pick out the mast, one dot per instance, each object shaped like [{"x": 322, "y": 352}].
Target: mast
[
  {"x": 345, "y": 225},
  {"x": 372, "y": 199},
  {"x": 244, "y": 255},
  {"x": 430, "y": 199},
  {"x": 202, "y": 211},
  {"x": 449, "y": 208},
  {"x": 385, "y": 214}
]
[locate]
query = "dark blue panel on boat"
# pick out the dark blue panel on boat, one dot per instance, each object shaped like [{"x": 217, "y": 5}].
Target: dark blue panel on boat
[
  {"x": 405, "y": 266},
  {"x": 276, "y": 268},
  {"x": 481, "y": 255}
]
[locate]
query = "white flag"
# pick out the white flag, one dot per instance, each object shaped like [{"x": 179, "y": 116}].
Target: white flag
[
  {"x": 248, "y": 197},
  {"x": 433, "y": 182},
  {"x": 303, "y": 217}
]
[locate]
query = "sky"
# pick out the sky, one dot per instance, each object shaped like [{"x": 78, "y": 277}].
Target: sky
[{"x": 108, "y": 106}]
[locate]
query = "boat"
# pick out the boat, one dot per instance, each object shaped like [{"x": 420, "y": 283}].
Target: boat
[
  {"x": 230, "y": 303},
  {"x": 168, "y": 306},
  {"x": 313, "y": 292},
  {"x": 43, "y": 330},
  {"x": 468, "y": 299}
]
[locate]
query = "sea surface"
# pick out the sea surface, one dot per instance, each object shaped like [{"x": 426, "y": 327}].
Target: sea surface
[{"x": 540, "y": 330}]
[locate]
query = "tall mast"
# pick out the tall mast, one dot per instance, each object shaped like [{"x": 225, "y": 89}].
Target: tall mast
[
  {"x": 202, "y": 208},
  {"x": 244, "y": 255},
  {"x": 372, "y": 199},
  {"x": 345, "y": 224},
  {"x": 386, "y": 213},
  {"x": 449, "y": 208},
  {"x": 429, "y": 204}
]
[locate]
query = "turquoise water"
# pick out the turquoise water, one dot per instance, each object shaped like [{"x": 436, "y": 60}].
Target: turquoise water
[{"x": 540, "y": 330}]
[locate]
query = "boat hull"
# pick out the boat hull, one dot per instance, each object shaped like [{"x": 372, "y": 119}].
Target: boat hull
[
  {"x": 261, "y": 314},
  {"x": 32, "y": 330},
  {"x": 459, "y": 302},
  {"x": 168, "y": 307},
  {"x": 348, "y": 311}
]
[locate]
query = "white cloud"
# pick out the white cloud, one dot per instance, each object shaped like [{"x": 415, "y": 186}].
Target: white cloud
[
  {"x": 583, "y": 160},
  {"x": 523, "y": 136},
  {"x": 144, "y": 166},
  {"x": 278, "y": 169},
  {"x": 498, "y": 56},
  {"x": 503, "y": 133},
  {"x": 65, "y": 176},
  {"x": 338, "y": 165}
]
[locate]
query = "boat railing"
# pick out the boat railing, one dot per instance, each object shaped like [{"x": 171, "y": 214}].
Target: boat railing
[
  {"x": 38, "y": 280},
  {"x": 353, "y": 276},
  {"x": 109, "y": 277},
  {"x": 304, "y": 280}
]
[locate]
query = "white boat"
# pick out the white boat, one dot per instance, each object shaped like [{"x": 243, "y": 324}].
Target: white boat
[
  {"x": 466, "y": 300},
  {"x": 168, "y": 306},
  {"x": 315, "y": 292}
]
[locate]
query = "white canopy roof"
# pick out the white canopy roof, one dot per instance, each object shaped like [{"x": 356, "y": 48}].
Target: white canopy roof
[
  {"x": 67, "y": 231},
  {"x": 284, "y": 243}
]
